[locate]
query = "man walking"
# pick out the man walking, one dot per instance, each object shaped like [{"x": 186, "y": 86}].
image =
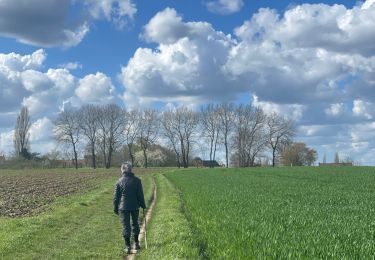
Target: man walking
[{"x": 127, "y": 199}]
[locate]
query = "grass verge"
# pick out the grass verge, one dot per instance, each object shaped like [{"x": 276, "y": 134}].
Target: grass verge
[
  {"x": 169, "y": 234},
  {"x": 79, "y": 226}
]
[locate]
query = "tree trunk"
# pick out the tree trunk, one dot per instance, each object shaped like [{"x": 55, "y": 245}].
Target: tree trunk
[
  {"x": 217, "y": 135},
  {"x": 75, "y": 156},
  {"x": 226, "y": 152},
  {"x": 145, "y": 157},
  {"x": 130, "y": 147},
  {"x": 93, "y": 155},
  {"x": 212, "y": 143},
  {"x": 183, "y": 154},
  {"x": 187, "y": 155}
]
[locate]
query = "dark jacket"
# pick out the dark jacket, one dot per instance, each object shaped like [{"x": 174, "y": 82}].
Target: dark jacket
[{"x": 128, "y": 193}]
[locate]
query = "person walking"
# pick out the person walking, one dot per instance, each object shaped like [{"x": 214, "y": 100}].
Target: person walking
[{"x": 128, "y": 198}]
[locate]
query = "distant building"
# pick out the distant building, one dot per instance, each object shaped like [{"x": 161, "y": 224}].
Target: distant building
[
  {"x": 336, "y": 164},
  {"x": 208, "y": 163}
]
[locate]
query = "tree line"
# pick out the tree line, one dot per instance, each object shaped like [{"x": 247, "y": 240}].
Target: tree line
[{"x": 244, "y": 133}]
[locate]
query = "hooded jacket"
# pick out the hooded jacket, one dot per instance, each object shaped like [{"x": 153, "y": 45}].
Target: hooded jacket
[{"x": 128, "y": 193}]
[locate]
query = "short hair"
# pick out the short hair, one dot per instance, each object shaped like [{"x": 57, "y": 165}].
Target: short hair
[{"x": 126, "y": 167}]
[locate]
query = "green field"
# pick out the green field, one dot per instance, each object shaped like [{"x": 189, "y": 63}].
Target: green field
[
  {"x": 280, "y": 213},
  {"x": 266, "y": 213}
]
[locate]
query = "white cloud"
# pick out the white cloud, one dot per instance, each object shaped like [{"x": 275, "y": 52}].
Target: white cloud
[
  {"x": 41, "y": 139},
  {"x": 314, "y": 63},
  {"x": 187, "y": 65},
  {"x": 35, "y": 81},
  {"x": 17, "y": 62},
  {"x": 225, "y": 7},
  {"x": 363, "y": 109},
  {"x": 71, "y": 65},
  {"x": 266, "y": 60},
  {"x": 6, "y": 142},
  {"x": 335, "y": 109},
  {"x": 291, "y": 111},
  {"x": 120, "y": 12},
  {"x": 41, "y": 130},
  {"x": 96, "y": 88},
  {"x": 367, "y": 4},
  {"x": 165, "y": 27},
  {"x": 46, "y": 102},
  {"x": 12, "y": 66},
  {"x": 23, "y": 82}
]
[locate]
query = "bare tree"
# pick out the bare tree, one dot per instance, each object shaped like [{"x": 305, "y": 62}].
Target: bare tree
[
  {"x": 132, "y": 127},
  {"x": 67, "y": 130},
  {"x": 168, "y": 123},
  {"x": 186, "y": 122},
  {"x": 22, "y": 133},
  {"x": 226, "y": 115},
  {"x": 180, "y": 125},
  {"x": 249, "y": 134},
  {"x": 148, "y": 133},
  {"x": 210, "y": 128},
  {"x": 280, "y": 132},
  {"x": 89, "y": 123},
  {"x": 111, "y": 122}
]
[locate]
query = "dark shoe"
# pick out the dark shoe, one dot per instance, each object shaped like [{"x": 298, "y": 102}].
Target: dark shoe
[
  {"x": 137, "y": 246},
  {"x": 127, "y": 248},
  {"x": 136, "y": 240}
]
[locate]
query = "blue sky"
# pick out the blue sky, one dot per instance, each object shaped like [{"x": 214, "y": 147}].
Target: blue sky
[{"x": 313, "y": 61}]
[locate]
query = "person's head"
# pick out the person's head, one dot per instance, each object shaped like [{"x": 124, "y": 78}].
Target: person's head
[{"x": 126, "y": 167}]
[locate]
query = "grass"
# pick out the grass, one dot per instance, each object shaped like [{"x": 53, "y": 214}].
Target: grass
[
  {"x": 287, "y": 213},
  {"x": 78, "y": 226},
  {"x": 281, "y": 213},
  {"x": 169, "y": 233}
]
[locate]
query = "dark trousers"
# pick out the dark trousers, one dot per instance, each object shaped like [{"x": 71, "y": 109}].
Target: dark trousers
[{"x": 125, "y": 221}]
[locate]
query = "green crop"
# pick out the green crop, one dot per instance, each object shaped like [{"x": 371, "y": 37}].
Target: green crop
[{"x": 280, "y": 213}]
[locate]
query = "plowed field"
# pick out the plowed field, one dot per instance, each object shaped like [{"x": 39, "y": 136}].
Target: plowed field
[{"x": 26, "y": 193}]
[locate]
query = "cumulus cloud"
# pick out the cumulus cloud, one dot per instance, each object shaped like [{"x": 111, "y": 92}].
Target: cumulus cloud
[
  {"x": 291, "y": 111},
  {"x": 17, "y": 62},
  {"x": 272, "y": 57},
  {"x": 46, "y": 102},
  {"x": 224, "y": 7},
  {"x": 119, "y": 12},
  {"x": 41, "y": 130},
  {"x": 187, "y": 63},
  {"x": 23, "y": 81},
  {"x": 335, "y": 109},
  {"x": 12, "y": 66},
  {"x": 363, "y": 109},
  {"x": 165, "y": 27},
  {"x": 6, "y": 142},
  {"x": 313, "y": 62},
  {"x": 51, "y": 23},
  {"x": 96, "y": 88},
  {"x": 71, "y": 65}
]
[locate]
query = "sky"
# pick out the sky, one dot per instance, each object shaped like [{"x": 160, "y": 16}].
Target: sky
[{"x": 311, "y": 61}]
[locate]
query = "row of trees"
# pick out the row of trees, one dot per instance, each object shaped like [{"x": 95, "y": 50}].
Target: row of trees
[{"x": 246, "y": 132}]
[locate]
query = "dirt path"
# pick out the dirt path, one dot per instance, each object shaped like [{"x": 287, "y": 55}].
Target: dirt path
[{"x": 145, "y": 222}]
